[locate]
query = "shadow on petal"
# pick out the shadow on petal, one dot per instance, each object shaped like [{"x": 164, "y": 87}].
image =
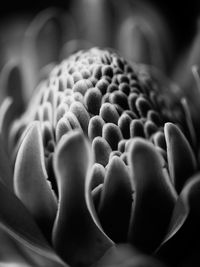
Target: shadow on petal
[
  {"x": 77, "y": 237},
  {"x": 181, "y": 159},
  {"x": 116, "y": 200},
  {"x": 18, "y": 223},
  {"x": 181, "y": 245},
  {"x": 30, "y": 180},
  {"x": 154, "y": 197}
]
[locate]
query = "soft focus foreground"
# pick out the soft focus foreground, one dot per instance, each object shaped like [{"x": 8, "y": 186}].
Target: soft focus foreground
[{"x": 100, "y": 152}]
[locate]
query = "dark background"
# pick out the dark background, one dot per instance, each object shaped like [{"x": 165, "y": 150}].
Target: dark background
[{"x": 181, "y": 16}]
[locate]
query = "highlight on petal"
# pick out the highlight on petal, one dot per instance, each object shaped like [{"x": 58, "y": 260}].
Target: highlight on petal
[
  {"x": 109, "y": 113},
  {"x": 116, "y": 200},
  {"x": 101, "y": 150},
  {"x": 97, "y": 175},
  {"x": 93, "y": 100},
  {"x": 76, "y": 236},
  {"x": 181, "y": 245},
  {"x": 154, "y": 197},
  {"x": 95, "y": 127},
  {"x": 137, "y": 129},
  {"x": 30, "y": 180},
  {"x": 188, "y": 122},
  {"x": 181, "y": 159},
  {"x": 112, "y": 135},
  {"x": 82, "y": 115},
  {"x": 7, "y": 116}
]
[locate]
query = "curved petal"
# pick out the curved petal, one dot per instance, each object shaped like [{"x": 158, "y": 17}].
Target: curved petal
[
  {"x": 15, "y": 252},
  {"x": 30, "y": 180},
  {"x": 188, "y": 123},
  {"x": 181, "y": 245},
  {"x": 76, "y": 236},
  {"x": 181, "y": 159},
  {"x": 97, "y": 175},
  {"x": 154, "y": 196},
  {"x": 116, "y": 200},
  {"x": 17, "y": 222},
  {"x": 6, "y": 117}
]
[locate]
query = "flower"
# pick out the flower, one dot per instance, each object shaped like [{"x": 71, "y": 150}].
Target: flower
[{"x": 104, "y": 153}]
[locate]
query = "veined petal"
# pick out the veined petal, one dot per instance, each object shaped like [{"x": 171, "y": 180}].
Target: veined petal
[
  {"x": 181, "y": 159},
  {"x": 76, "y": 236},
  {"x": 116, "y": 200},
  {"x": 181, "y": 245},
  {"x": 30, "y": 180},
  {"x": 154, "y": 197}
]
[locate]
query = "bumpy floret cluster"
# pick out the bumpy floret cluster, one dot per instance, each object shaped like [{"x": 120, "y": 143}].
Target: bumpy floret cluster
[{"x": 109, "y": 99}]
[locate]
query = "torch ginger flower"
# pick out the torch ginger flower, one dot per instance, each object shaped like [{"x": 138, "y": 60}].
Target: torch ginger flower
[{"x": 104, "y": 153}]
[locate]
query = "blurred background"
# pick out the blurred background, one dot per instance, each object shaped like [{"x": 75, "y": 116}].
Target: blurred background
[
  {"x": 181, "y": 16},
  {"x": 164, "y": 34}
]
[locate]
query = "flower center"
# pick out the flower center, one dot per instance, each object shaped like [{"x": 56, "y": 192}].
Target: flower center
[{"x": 104, "y": 96}]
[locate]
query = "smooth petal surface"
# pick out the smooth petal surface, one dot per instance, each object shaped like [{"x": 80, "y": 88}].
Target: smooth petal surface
[
  {"x": 188, "y": 122},
  {"x": 154, "y": 197},
  {"x": 181, "y": 159},
  {"x": 76, "y": 236},
  {"x": 7, "y": 114},
  {"x": 181, "y": 244},
  {"x": 30, "y": 180},
  {"x": 97, "y": 175},
  {"x": 116, "y": 201}
]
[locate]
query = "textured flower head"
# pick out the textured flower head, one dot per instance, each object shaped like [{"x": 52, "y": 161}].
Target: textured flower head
[
  {"x": 106, "y": 97},
  {"x": 94, "y": 194},
  {"x": 104, "y": 153}
]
